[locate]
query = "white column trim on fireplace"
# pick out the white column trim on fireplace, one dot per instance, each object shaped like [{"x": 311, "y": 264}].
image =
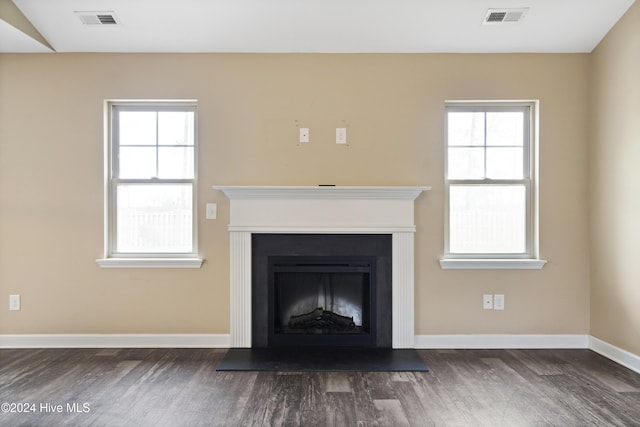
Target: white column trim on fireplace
[
  {"x": 240, "y": 277},
  {"x": 318, "y": 210},
  {"x": 402, "y": 268}
]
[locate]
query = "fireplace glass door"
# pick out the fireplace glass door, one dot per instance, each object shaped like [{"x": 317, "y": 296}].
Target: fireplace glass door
[{"x": 322, "y": 301}]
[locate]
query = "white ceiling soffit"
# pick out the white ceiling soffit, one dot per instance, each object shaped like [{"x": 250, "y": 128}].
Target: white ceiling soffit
[
  {"x": 13, "y": 40},
  {"x": 331, "y": 26}
]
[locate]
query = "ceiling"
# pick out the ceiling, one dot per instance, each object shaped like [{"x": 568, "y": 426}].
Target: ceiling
[{"x": 328, "y": 26}]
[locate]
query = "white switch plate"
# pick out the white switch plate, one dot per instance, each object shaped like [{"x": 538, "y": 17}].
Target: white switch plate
[
  {"x": 304, "y": 135},
  {"x": 212, "y": 211},
  {"x": 498, "y": 302},
  {"x": 341, "y": 135},
  {"x": 487, "y": 301},
  {"x": 14, "y": 302}
]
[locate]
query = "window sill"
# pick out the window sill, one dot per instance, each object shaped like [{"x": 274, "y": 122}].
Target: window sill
[
  {"x": 492, "y": 264},
  {"x": 150, "y": 262}
]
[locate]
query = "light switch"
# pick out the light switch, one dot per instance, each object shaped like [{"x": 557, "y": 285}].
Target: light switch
[
  {"x": 14, "y": 302},
  {"x": 341, "y": 135},
  {"x": 212, "y": 211}
]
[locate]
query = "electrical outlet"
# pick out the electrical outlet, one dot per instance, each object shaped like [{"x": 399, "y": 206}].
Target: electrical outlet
[
  {"x": 487, "y": 301},
  {"x": 304, "y": 135},
  {"x": 498, "y": 302},
  {"x": 14, "y": 302}
]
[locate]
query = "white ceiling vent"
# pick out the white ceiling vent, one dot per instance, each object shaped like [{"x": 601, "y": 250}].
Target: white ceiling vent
[
  {"x": 98, "y": 18},
  {"x": 501, "y": 16}
]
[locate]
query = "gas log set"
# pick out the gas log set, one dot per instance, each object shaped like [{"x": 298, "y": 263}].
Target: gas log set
[{"x": 322, "y": 321}]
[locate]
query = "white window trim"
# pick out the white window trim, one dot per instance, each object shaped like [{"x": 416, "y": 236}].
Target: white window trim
[
  {"x": 492, "y": 264},
  {"x": 151, "y": 260},
  {"x": 531, "y": 260}
]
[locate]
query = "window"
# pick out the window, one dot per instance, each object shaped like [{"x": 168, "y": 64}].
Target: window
[
  {"x": 490, "y": 185},
  {"x": 151, "y": 185}
]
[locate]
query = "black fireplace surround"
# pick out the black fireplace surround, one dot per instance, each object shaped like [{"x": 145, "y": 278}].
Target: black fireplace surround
[{"x": 321, "y": 290}]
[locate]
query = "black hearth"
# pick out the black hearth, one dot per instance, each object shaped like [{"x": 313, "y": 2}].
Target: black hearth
[{"x": 321, "y": 290}]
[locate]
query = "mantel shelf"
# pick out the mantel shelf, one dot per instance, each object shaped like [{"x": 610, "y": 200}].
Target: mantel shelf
[{"x": 320, "y": 192}]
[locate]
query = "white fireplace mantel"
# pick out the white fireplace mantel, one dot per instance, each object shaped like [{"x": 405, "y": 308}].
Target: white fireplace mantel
[
  {"x": 236, "y": 192},
  {"x": 315, "y": 210}
]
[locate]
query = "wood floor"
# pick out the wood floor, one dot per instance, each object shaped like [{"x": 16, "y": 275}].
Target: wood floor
[{"x": 180, "y": 387}]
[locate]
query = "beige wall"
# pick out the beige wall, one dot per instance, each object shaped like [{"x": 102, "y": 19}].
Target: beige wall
[
  {"x": 614, "y": 183},
  {"x": 51, "y": 178}
]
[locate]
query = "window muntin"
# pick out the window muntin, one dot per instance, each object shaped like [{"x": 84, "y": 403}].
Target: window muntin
[
  {"x": 489, "y": 184},
  {"x": 152, "y": 179}
]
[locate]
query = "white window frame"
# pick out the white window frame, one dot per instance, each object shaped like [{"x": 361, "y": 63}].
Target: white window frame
[
  {"x": 113, "y": 259},
  {"x": 530, "y": 258}
]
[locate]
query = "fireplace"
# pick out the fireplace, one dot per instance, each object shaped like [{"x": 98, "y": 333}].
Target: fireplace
[
  {"x": 257, "y": 211},
  {"x": 321, "y": 290},
  {"x": 320, "y": 301}
]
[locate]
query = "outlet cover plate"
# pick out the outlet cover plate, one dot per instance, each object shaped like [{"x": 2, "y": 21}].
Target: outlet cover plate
[
  {"x": 487, "y": 301},
  {"x": 304, "y": 135}
]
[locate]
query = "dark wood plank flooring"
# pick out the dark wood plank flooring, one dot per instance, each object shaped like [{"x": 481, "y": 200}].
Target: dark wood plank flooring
[{"x": 180, "y": 387}]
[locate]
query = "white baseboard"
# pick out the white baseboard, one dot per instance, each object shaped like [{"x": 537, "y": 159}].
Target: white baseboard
[
  {"x": 224, "y": 341},
  {"x": 618, "y": 355},
  {"x": 501, "y": 341},
  {"x": 116, "y": 340}
]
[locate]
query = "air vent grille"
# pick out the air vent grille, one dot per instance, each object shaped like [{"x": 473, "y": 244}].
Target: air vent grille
[
  {"x": 107, "y": 19},
  {"x": 501, "y": 16},
  {"x": 97, "y": 18},
  {"x": 496, "y": 16}
]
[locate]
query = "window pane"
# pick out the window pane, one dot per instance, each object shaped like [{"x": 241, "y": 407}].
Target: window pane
[
  {"x": 505, "y": 128},
  {"x": 504, "y": 163},
  {"x": 465, "y": 163},
  {"x": 487, "y": 219},
  {"x": 137, "y": 162},
  {"x": 154, "y": 218},
  {"x": 175, "y": 162},
  {"x": 137, "y": 128},
  {"x": 465, "y": 128},
  {"x": 176, "y": 128}
]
